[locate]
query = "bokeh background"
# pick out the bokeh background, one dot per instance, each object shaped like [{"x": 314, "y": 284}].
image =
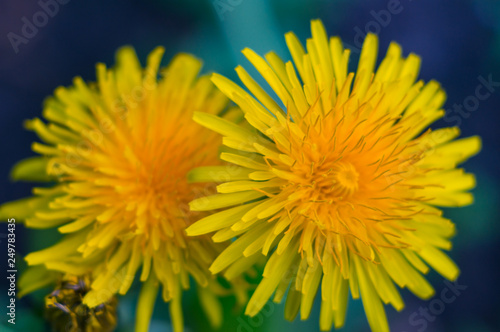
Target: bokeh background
[{"x": 459, "y": 42}]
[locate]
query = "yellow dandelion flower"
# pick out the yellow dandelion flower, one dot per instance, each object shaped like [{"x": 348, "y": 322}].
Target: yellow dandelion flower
[
  {"x": 119, "y": 151},
  {"x": 342, "y": 187}
]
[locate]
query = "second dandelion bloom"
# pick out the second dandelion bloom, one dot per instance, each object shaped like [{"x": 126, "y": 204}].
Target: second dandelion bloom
[
  {"x": 341, "y": 180},
  {"x": 115, "y": 157}
]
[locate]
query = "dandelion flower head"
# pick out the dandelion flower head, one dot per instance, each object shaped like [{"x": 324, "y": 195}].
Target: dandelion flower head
[
  {"x": 118, "y": 151},
  {"x": 344, "y": 179}
]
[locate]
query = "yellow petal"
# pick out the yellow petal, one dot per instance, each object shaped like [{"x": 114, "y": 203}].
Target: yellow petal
[
  {"x": 218, "y": 174},
  {"x": 146, "y": 303},
  {"x": 223, "y": 200},
  {"x": 268, "y": 285},
  {"x": 219, "y": 220},
  {"x": 371, "y": 302},
  {"x": 440, "y": 262}
]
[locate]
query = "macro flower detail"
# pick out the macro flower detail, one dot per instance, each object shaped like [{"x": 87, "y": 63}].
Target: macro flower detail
[
  {"x": 118, "y": 151},
  {"x": 343, "y": 180}
]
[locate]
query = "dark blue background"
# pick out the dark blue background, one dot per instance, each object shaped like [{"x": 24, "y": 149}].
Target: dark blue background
[{"x": 458, "y": 41}]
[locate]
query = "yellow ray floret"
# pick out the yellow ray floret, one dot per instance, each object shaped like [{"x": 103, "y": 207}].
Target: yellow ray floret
[{"x": 340, "y": 180}]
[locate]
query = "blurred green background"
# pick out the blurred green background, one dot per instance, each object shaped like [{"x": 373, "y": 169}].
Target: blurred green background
[{"x": 459, "y": 42}]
